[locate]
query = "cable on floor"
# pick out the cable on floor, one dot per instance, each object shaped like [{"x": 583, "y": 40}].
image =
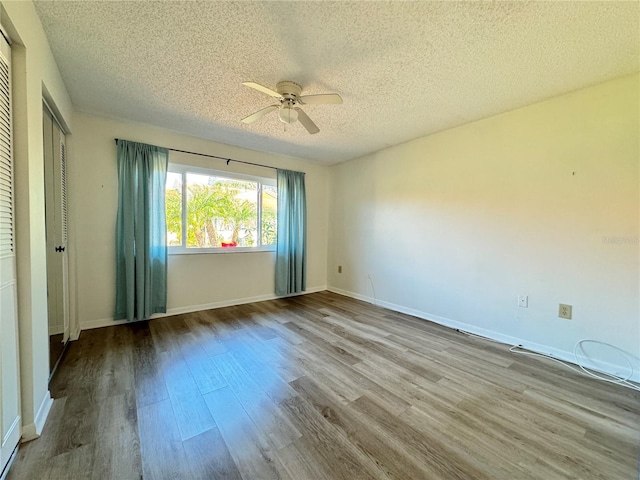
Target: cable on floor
[{"x": 583, "y": 370}]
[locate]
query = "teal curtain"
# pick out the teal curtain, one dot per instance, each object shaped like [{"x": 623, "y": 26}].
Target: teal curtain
[
  {"x": 141, "y": 247},
  {"x": 291, "y": 250}
]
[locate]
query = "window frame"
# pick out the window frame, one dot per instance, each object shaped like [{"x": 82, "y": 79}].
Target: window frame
[{"x": 186, "y": 169}]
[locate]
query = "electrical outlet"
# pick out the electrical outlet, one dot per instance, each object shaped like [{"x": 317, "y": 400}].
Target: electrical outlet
[
  {"x": 339, "y": 268},
  {"x": 523, "y": 301},
  {"x": 564, "y": 311}
]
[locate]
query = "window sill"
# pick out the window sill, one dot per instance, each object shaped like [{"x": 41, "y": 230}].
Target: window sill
[{"x": 218, "y": 250}]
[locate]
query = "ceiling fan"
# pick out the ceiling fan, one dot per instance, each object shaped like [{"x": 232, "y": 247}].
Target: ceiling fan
[{"x": 288, "y": 95}]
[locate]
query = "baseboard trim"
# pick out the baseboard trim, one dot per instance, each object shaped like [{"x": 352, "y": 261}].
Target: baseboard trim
[
  {"x": 75, "y": 335},
  {"x": 15, "y": 427},
  {"x": 34, "y": 430},
  {"x": 10, "y": 440},
  {"x": 110, "y": 322},
  {"x": 357, "y": 296},
  {"x": 603, "y": 367},
  {"x": 56, "y": 330},
  {"x": 7, "y": 467}
]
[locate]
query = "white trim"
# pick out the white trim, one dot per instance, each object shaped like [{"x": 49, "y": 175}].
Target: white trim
[
  {"x": 347, "y": 293},
  {"x": 14, "y": 426},
  {"x": 226, "y": 174},
  {"x": 180, "y": 250},
  {"x": 8, "y": 284},
  {"x": 34, "y": 430},
  {"x": 110, "y": 322},
  {"x": 11, "y": 440},
  {"x": 7, "y": 467},
  {"x": 56, "y": 329},
  {"x": 5, "y": 34},
  {"x": 53, "y": 116},
  {"x": 605, "y": 367},
  {"x": 75, "y": 335}
]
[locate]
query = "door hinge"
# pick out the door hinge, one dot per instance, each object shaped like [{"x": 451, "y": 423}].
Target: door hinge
[{"x": 60, "y": 249}]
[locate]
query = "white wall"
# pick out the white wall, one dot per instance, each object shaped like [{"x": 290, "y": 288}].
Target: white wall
[
  {"x": 540, "y": 201},
  {"x": 194, "y": 281},
  {"x": 35, "y": 75}
]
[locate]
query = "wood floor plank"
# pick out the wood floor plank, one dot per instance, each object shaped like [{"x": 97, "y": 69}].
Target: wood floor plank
[
  {"x": 276, "y": 354},
  {"x": 348, "y": 382},
  {"x": 202, "y": 367},
  {"x": 326, "y": 446},
  {"x": 209, "y": 458},
  {"x": 189, "y": 407},
  {"x": 202, "y": 327},
  {"x": 148, "y": 379},
  {"x": 300, "y": 465},
  {"x": 268, "y": 380},
  {"x": 391, "y": 459},
  {"x": 80, "y": 424},
  {"x": 251, "y": 455},
  {"x": 316, "y": 365},
  {"x": 165, "y": 333},
  {"x": 557, "y": 450},
  {"x": 80, "y": 459},
  {"x": 118, "y": 350},
  {"x": 350, "y": 328},
  {"x": 161, "y": 448},
  {"x": 212, "y": 319},
  {"x": 83, "y": 378},
  {"x": 322, "y": 387},
  {"x": 621, "y": 403},
  {"x": 283, "y": 332},
  {"x": 443, "y": 462},
  {"x": 32, "y": 457},
  {"x": 116, "y": 452},
  {"x": 271, "y": 423},
  {"x": 224, "y": 321},
  {"x": 623, "y": 431},
  {"x": 497, "y": 457},
  {"x": 312, "y": 338}
]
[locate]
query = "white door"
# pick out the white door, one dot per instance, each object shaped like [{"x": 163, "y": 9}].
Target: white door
[
  {"x": 55, "y": 168},
  {"x": 9, "y": 367}
]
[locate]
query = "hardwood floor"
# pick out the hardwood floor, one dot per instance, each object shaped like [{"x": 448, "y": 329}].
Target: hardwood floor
[{"x": 322, "y": 387}]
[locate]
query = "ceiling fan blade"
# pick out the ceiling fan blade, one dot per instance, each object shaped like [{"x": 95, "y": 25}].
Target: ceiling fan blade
[
  {"x": 323, "y": 99},
  {"x": 306, "y": 122},
  {"x": 260, "y": 88},
  {"x": 259, "y": 114}
]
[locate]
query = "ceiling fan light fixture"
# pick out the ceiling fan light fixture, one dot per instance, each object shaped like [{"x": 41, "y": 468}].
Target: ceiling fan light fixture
[{"x": 287, "y": 114}]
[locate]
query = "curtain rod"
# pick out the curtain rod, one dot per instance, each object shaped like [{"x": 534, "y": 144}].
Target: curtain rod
[{"x": 219, "y": 158}]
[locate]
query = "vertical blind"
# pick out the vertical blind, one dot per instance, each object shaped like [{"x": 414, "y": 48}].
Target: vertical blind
[{"x": 6, "y": 170}]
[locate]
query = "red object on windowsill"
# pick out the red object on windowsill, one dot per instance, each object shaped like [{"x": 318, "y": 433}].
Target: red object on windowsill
[{"x": 229, "y": 244}]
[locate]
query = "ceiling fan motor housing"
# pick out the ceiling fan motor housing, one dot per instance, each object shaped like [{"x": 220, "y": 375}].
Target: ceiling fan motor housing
[
  {"x": 288, "y": 89},
  {"x": 290, "y": 92}
]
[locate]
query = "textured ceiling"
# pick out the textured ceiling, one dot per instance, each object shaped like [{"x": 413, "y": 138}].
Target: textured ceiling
[{"x": 404, "y": 69}]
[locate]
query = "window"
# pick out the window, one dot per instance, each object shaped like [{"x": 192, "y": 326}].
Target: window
[{"x": 210, "y": 211}]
